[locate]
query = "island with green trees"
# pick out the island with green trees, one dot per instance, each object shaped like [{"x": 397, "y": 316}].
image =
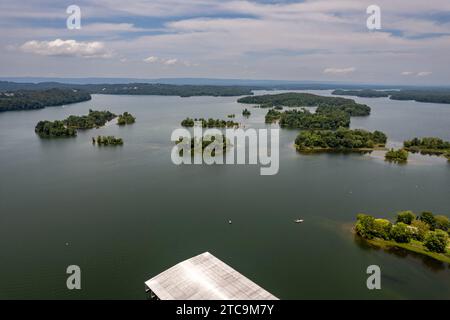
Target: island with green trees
[
  {"x": 31, "y": 100},
  {"x": 68, "y": 127},
  {"x": 428, "y": 145},
  {"x": 307, "y": 120},
  {"x": 210, "y": 123},
  {"x": 125, "y": 118},
  {"x": 107, "y": 141},
  {"x": 398, "y": 156},
  {"x": 94, "y": 119},
  {"x": 246, "y": 113},
  {"x": 54, "y": 129},
  {"x": 199, "y": 145},
  {"x": 340, "y": 140},
  {"x": 294, "y": 99},
  {"x": 426, "y": 234}
]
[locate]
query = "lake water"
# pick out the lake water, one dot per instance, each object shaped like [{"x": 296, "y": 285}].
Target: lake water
[{"x": 125, "y": 214}]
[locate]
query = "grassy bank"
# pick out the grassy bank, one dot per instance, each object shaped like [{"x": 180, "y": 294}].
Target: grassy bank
[{"x": 414, "y": 246}]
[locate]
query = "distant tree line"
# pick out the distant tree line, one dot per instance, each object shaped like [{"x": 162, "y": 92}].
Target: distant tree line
[
  {"x": 294, "y": 99},
  {"x": 419, "y": 95},
  {"x": 29, "y": 100}
]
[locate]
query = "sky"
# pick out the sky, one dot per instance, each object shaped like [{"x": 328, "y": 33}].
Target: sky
[{"x": 316, "y": 40}]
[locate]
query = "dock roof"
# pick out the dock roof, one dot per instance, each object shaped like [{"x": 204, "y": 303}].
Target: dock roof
[{"x": 204, "y": 277}]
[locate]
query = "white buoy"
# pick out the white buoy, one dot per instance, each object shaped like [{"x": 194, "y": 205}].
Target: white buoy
[{"x": 229, "y": 222}]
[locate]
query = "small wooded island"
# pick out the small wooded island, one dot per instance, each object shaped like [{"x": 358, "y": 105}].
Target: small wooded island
[
  {"x": 199, "y": 145},
  {"x": 294, "y": 99},
  {"x": 125, "y": 118},
  {"x": 341, "y": 140},
  {"x": 398, "y": 156},
  {"x": 427, "y": 234},
  {"x": 210, "y": 123},
  {"x": 107, "y": 141},
  {"x": 54, "y": 129},
  {"x": 68, "y": 127},
  {"x": 306, "y": 120},
  {"x": 428, "y": 145},
  {"x": 246, "y": 113}
]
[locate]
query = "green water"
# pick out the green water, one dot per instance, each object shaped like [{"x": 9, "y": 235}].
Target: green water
[{"x": 125, "y": 214}]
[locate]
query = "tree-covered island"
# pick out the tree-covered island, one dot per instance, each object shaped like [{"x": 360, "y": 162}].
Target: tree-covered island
[
  {"x": 340, "y": 140},
  {"x": 54, "y": 129},
  {"x": 246, "y": 113},
  {"x": 294, "y": 99},
  {"x": 125, "y": 118},
  {"x": 68, "y": 127},
  {"x": 107, "y": 141},
  {"x": 426, "y": 234},
  {"x": 306, "y": 120},
  {"x": 428, "y": 145},
  {"x": 94, "y": 119},
  {"x": 398, "y": 156},
  {"x": 210, "y": 123}
]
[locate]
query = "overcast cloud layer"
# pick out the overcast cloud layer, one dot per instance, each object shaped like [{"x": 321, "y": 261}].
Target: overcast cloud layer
[{"x": 320, "y": 40}]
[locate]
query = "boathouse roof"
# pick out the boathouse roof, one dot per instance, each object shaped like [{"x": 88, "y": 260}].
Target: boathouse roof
[{"x": 204, "y": 277}]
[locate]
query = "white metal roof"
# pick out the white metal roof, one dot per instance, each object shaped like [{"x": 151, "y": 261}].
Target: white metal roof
[{"x": 204, "y": 277}]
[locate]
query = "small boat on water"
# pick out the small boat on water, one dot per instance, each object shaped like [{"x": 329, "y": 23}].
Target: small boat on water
[{"x": 299, "y": 221}]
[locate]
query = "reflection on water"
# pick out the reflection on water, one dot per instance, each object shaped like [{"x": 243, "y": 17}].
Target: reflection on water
[{"x": 432, "y": 264}]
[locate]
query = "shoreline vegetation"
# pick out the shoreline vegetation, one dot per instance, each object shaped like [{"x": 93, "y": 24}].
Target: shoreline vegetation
[
  {"x": 426, "y": 234},
  {"x": 32, "y": 100},
  {"x": 418, "y": 95},
  {"x": 341, "y": 140},
  {"x": 210, "y": 123},
  {"x": 69, "y": 126}
]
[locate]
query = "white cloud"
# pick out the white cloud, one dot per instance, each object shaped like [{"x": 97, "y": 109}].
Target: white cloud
[
  {"x": 339, "y": 70},
  {"x": 424, "y": 73},
  {"x": 418, "y": 74},
  {"x": 151, "y": 59},
  {"x": 70, "y": 48},
  {"x": 170, "y": 62}
]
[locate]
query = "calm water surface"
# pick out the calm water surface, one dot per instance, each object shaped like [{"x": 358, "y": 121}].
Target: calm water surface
[{"x": 125, "y": 214}]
